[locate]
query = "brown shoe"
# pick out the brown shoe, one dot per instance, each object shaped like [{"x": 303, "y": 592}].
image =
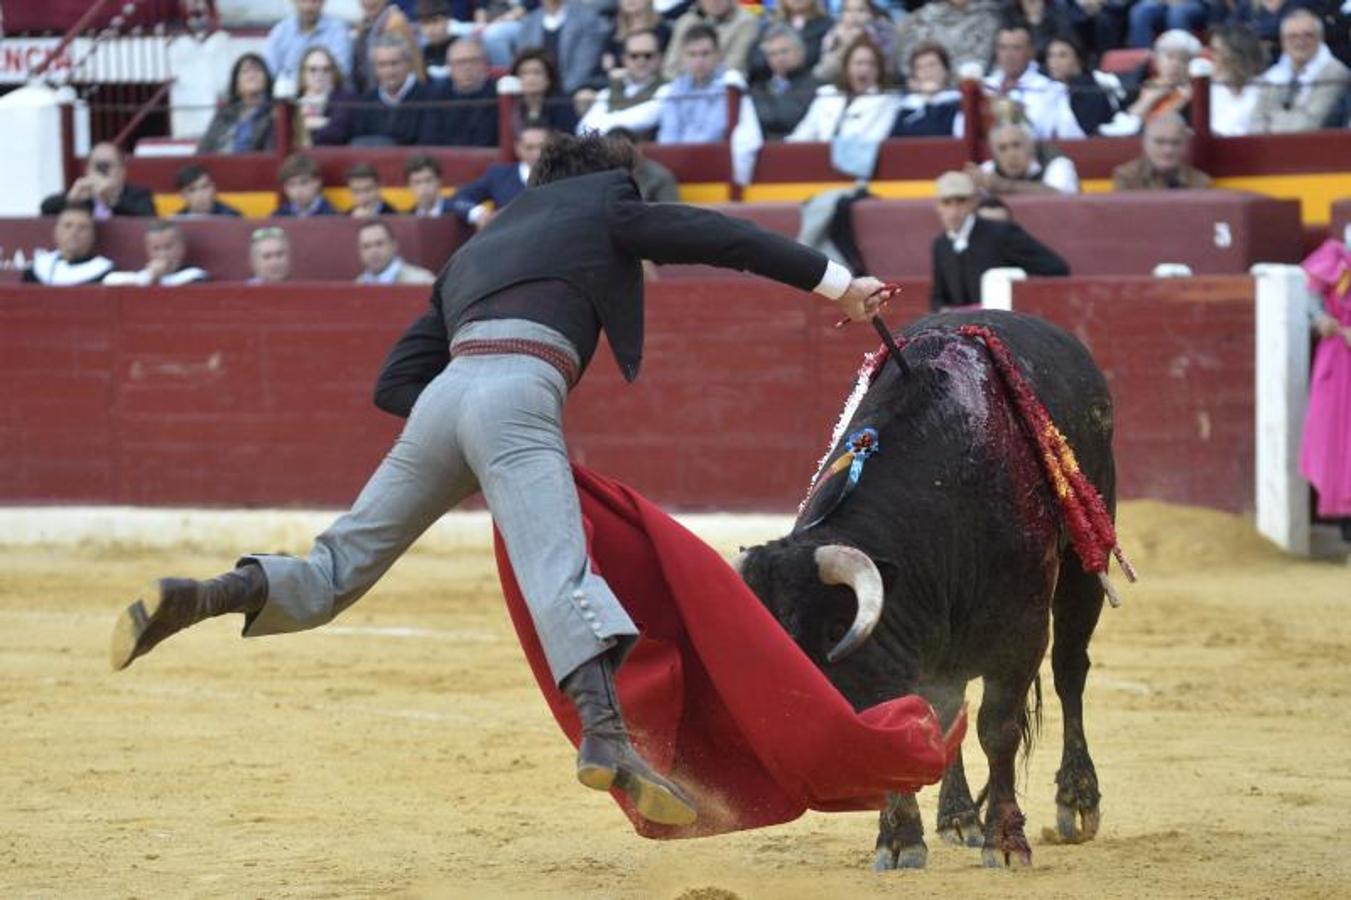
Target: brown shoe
[
  {"x": 606, "y": 759},
  {"x": 169, "y": 605}
]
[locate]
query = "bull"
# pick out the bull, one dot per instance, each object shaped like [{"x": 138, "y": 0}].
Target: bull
[{"x": 949, "y": 561}]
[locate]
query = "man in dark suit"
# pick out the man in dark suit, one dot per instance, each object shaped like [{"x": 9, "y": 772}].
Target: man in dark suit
[
  {"x": 470, "y": 118},
  {"x": 103, "y": 188},
  {"x": 501, "y": 182},
  {"x": 482, "y": 376},
  {"x": 390, "y": 113},
  {"x": 971, "y": 244}
]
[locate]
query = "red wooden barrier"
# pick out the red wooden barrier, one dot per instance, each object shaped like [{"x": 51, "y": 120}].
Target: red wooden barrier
[{"x": 222, "y": 395}]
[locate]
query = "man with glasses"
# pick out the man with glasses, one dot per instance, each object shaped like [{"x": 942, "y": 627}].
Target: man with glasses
[
  {"x": 291, "y": 37},
  {"x": 469, "y": 116},
  {"x": 1304, "y": 86},
  {"x": 633, "y": 99}
]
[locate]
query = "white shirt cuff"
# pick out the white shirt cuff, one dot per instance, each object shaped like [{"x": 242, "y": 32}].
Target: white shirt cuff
[
  {"x": 835, "y": 281},
  {"x": 477, "y": 213}
]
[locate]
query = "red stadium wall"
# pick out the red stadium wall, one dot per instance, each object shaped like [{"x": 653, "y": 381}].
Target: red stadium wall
[{"x": 234, "y": 396}]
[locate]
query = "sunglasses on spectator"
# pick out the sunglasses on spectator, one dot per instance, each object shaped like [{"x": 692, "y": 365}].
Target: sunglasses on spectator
[
  {"x": 640, "y": 54},
  {"x": 319, "y": 68}
]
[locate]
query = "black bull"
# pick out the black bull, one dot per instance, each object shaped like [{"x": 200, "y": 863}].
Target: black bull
[{"x": 964, "y": 559}]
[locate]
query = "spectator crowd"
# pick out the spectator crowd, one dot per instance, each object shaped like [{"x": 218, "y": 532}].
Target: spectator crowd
[
  {"x": 850, "y": 73},
  {"x": 428, "y": 72}
]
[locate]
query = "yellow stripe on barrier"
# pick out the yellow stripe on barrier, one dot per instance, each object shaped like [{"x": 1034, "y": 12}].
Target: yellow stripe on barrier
[{"x": 1314, "y": 191}]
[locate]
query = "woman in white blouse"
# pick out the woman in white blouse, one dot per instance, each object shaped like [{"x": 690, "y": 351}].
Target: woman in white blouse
[
  {"x": 855, "y": 106},
  {"x": 1238, "y": 58}
]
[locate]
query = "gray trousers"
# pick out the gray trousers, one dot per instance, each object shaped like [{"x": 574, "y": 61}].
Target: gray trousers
[{"x": 489, "y": 422}]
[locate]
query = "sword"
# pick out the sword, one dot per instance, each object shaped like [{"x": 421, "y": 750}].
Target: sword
[{"x": 883, "y": 331}]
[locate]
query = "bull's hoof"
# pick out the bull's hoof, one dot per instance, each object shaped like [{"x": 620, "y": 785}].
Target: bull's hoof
[
  {"x": 994, "y": 858},
  {"x": 916, "y": 856},
  {"x": 962, "y": 829},
  {"x": 1073, "y": 826}
]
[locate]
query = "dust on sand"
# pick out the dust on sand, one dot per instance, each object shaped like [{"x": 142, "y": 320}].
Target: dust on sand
[{"x": 404, "y": 750}]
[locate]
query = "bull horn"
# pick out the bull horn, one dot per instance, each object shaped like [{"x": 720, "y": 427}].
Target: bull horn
[{"x": 849, "y": 566}]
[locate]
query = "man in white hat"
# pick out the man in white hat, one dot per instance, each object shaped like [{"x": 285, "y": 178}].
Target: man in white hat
[{"x": 970, "y": 245}]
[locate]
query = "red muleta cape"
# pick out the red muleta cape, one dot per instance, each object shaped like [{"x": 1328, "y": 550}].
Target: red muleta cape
[{"x": 716, "y": 693}]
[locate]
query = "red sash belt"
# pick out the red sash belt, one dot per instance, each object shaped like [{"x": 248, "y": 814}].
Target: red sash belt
[{"x": 554, "y": 356}]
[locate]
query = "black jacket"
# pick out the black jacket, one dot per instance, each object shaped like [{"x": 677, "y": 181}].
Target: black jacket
[
  {"x": 401, "y": 123},
  {"x": 592, "y": 232},
  {"x": 135, "y": 201},
  {"x": 991, "y": 245},
  {"x": 467, "y": 120}
]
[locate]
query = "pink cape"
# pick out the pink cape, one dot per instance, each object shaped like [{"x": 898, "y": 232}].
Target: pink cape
[
  {"x": 716, "y": 693},
  {"x": 1325, "y": 450}
]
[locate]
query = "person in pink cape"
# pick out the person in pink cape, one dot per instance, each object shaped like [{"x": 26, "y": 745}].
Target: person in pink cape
[{"x": 1325, "y": 452}]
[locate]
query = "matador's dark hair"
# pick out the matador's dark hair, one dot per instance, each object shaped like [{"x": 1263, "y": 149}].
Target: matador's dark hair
[{"x": 566, "y": 156}]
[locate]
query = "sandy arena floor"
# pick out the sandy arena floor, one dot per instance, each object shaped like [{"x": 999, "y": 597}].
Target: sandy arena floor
[{"x": 404, "y": 750}]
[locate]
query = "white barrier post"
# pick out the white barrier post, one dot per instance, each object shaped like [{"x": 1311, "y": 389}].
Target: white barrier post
[
  {"x": 32, "y": 165},
  {"x": 1282, "y": 372},
  {"x": 996, "y": 287}
]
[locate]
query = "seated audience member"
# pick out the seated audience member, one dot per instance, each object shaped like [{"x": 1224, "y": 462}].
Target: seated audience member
[
  {"x": 198, "y": 190},
  {"x": 1017, "y": 78},
  {"x": 734, "y": 27},
  {"x": 380, "y": 260},
  {"x": 165, "y": 260},
  {"x": 965, "y": 28},
  {"x": 573, "y": 35},
  {"x": 324, "y": 107},
  {"x": 632, "y": 17},
  {"x": 541, "y": 103},
  {"x": 971, "y": 245},
  {"x": 367, "y": 201},
  {"x": 1022, "y": 165},
  {"x": 437, "y": 30},
  {"x": 269, "y": 255},
  {"x": 1066, "y": 63},
  {"x": 1237, "y": 57},
  {"x": 243, "y": 124},
  {"x": 994, "y": 209},
  {"x": 656, "y": 183},
  {"x": 695, "y": 109},
  {"x": 103, "y": 187},
  {"x": 1299, "y": 92},
  {"x": 1150, "y": 18},
  {"x": 931, "y": 106},
  {"x": 304, "y": 189},
  {"x": 1162, "y": 167},
  {"x": 857, "y": 105},
  {"x": 291, "y": 37},
  {"x": 1168, "y": 90},
  {"x": 858, "y": 18},
  {"x": 390, "y": 113},
  {"x": 782, "y": 99},
  {"x": 808, "y": 19},
  {"x": 634, "y": 96},
  {"x": 424, "y": 183},
  {"x": 381, "y": 19},
  {"x": 470, "y": 117},
  {"x": 1045, "y": 19},
  {"x": 501, "y": 183},
  {"x": 74, "y": 260}
]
